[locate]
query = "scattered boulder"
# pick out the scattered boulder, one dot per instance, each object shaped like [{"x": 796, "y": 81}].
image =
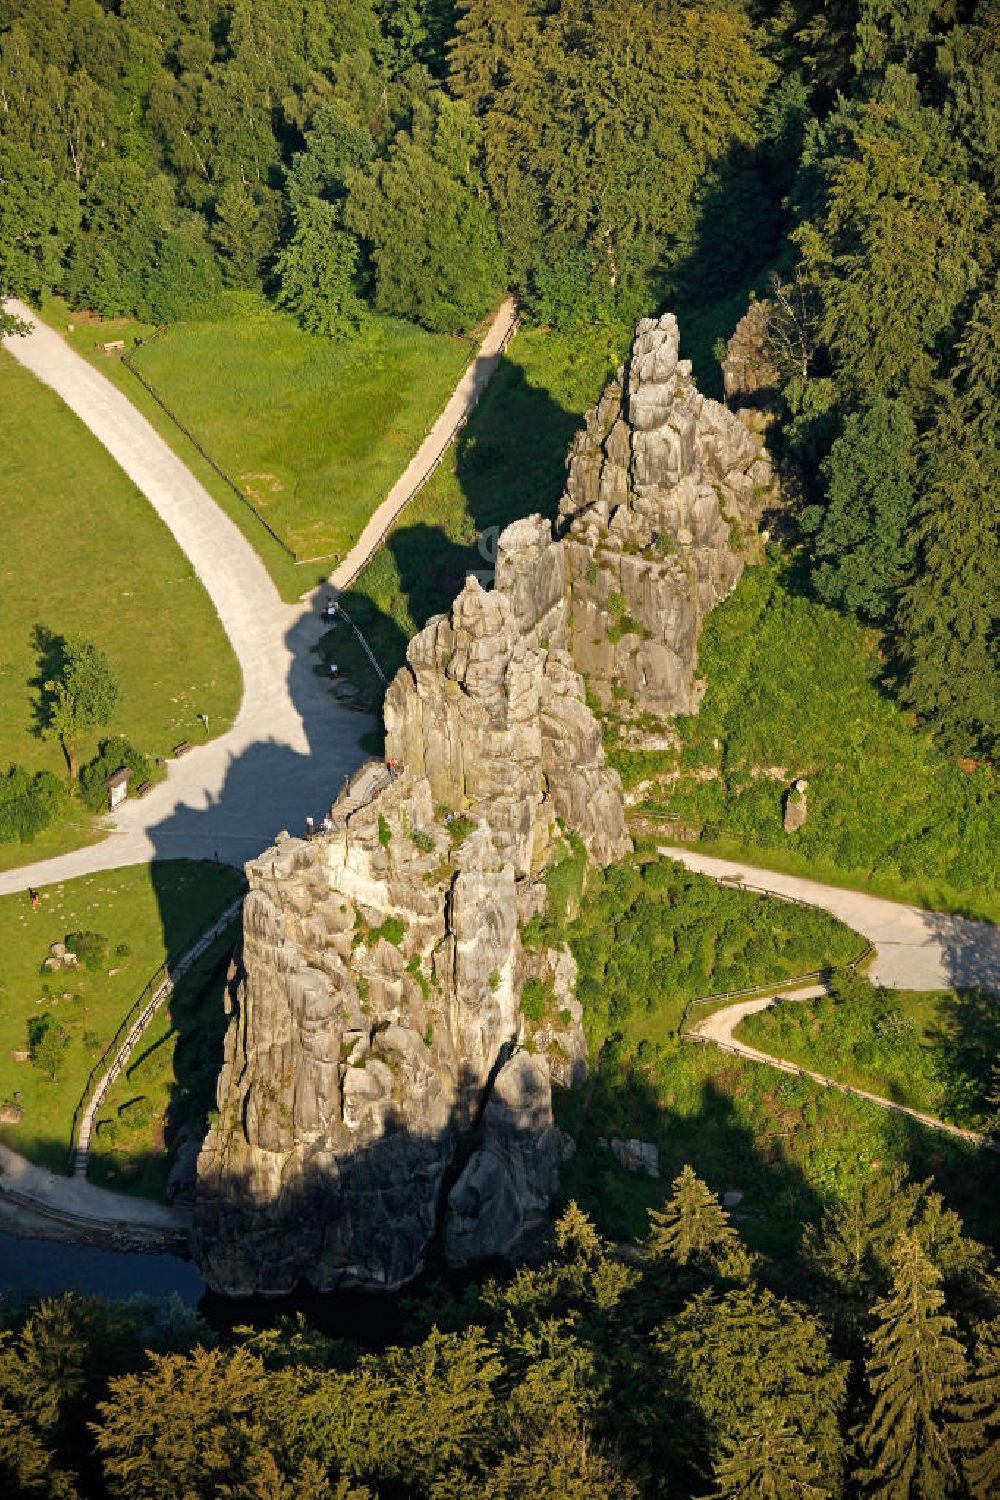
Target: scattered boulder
[
  {"x": 636, "y": 1156},
  {"x": 796, "y": 808}
]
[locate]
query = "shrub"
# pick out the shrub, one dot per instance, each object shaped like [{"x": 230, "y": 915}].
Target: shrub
[
  {"x": 135, "y": 1113},
  {"x": 415, "y": 968},
  {"x": 89, "y": 948},
  {"x": 651, "y": 936},
  {"x": 392, "y": 929},
  {"x": 384, "y": 831},
  {"x": 422, "y": 840},
  {"x": 564, "y": 881},
  {"x": 112, "y": 755},
  {"x": 533, "y": 998},
  {"x": 28, "y": 803}
]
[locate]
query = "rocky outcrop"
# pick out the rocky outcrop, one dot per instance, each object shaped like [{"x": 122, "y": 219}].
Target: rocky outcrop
[
  {"x": 749, "y": 375},
  {"x": 665, "y": 489},
  {"x": 383, "y": 1096},
  {"x": 796, "y": 805}
]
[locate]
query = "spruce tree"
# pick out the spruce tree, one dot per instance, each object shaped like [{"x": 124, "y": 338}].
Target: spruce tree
[
  {"x": 770, "y": 1461},
  {"x": 915, "y": 1373},
  {"x": 694, "y": 1228},
  {"x": 977, "y": 1412}
]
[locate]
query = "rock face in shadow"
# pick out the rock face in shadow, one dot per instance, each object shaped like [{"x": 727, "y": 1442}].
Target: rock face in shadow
[{"x": 383, "y": 1096}]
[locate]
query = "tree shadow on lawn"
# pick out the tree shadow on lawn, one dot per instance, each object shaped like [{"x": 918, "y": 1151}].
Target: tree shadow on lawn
[{"x": 50, "y": 663}]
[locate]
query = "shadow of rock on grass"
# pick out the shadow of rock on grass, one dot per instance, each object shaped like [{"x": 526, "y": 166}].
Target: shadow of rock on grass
[{"x": 509, "y": 461}]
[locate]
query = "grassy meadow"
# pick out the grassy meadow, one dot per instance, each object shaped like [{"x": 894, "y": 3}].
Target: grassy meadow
[
  {"x": 314, "y": 431},
  {"x": 797, "y": 689},
  {"x": 144, "y": 913},
  {"x": 82, "y": 551}
]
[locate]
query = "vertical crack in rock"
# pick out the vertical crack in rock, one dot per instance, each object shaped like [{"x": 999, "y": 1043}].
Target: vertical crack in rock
[{"x": 375, "y": 1012}]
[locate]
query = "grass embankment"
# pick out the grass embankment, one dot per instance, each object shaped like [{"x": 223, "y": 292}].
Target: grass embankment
[
  {"x": 796, "y": 689},
  {"x": 932, "y": 1051},
  {"x": 148, "y": 911},
  {"x": 313, "y": 430},
  {"x": 648, "y": 940},
  {"x": 167, "y": 1092},
  {"x": 82, "y": 551}
]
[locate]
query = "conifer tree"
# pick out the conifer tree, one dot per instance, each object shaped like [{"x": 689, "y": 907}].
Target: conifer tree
[
  {"x": 694, "y": 1228},
  {"x": 915, "y": 1373},
  {"x": 771, "y": 1461},
  {"x": 977, "y": 1426}
]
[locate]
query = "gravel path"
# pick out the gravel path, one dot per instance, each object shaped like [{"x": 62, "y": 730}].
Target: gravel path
[
  {"x": 72, "y": 1201},
  {"x": 292, "y": 743},
  {"x": 915, "y": 949},
  {"x": 720, "y": 1026}
]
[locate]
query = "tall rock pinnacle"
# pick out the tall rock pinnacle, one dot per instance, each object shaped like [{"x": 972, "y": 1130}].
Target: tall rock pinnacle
[{"x": 383, "y": 1097}]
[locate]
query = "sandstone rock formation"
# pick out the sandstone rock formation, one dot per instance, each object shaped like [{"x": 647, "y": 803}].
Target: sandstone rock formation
[
  {"x": 796, "y": 805},
  {"x": 665, "y": 489},
  {"x": 383, "y": 1097},
  {"x": 750, "y": 378}
]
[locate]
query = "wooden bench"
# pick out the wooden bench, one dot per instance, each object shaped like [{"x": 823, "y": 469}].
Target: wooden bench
[
  {"x": 143, "y": 788},
  {"x": 182, "y": 749},
  {"x": 113, "y": 346}
]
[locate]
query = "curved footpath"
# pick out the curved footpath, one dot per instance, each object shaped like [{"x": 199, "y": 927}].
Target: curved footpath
[
  {"x": 915, "y": 949},
  {"x": 719, "y": 1027},
  {"x": 291, "y": 743},
  {"x": 92, "y": 1211}
]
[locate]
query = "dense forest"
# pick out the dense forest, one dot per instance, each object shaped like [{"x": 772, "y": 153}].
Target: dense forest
[
  {"x": 691, "y": 1369},
  {"x": 603, "y": 159}
]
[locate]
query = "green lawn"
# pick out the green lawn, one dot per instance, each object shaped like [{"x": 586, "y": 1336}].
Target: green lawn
[
  {"x": 152, "y": 910},
  {"x": 314, "y": 431},
  {"x": 82, "y": 551},
  {"x": 932, "y": 1051},
  {"x": 796, "y": 689},
  {"x": 509, "y": 461}
]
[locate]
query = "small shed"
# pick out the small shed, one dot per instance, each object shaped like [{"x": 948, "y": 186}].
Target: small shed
[{"x": 117, "y": 786}]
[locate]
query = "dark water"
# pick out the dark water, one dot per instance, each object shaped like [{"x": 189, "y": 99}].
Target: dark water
[
  {"x": 50, "y": 1267},
  {"x": 372, "y": 1320}
]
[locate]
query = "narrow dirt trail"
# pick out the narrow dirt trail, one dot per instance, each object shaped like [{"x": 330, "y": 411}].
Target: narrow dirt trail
[{"x": 719, "y": 1029}]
